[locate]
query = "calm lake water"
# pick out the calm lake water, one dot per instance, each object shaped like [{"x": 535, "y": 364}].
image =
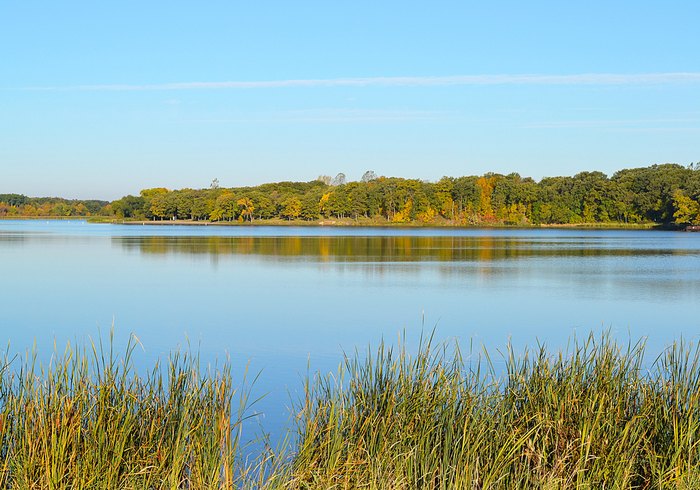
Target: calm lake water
[{"x": 287, "y": 297}]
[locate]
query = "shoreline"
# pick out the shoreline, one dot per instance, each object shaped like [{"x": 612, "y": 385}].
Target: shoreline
[
  {"x": 374, "y": 224},
  {"x": 339, "y": 223}
]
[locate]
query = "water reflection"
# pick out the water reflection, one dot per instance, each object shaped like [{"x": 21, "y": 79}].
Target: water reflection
[
  {"x": 648, "y": 270},
  {"x": 388, "y": 248},
  {"x": 9, "y": 239}
]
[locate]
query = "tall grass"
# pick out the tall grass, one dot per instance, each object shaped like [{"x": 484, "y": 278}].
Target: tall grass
[
  {"x": 597, "y": 414},
  {"x": 88, "y": 420}
]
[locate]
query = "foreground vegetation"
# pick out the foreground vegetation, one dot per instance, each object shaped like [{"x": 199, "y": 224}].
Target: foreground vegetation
[
  {"x": 666, "y": 194},
  {"x": 590, "y": 417},
  {"x": 89, "y": 421},
  {"x": 596, "y": 415}
]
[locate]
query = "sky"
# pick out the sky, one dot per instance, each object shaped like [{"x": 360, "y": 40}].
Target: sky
[{"x": 103, "y": 99}]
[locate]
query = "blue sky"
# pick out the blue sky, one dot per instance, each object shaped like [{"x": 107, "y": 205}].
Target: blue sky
[{"x": 102, "y": 99}]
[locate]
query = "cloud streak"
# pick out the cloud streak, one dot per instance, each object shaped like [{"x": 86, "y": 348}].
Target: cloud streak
[
  {"x": 612, "y": 123},
  {"x": 335, "y": 116},
  {"x": 458, "y": 80}
]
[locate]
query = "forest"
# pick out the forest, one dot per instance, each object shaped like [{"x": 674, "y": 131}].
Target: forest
[
  {"x": 666, "y": 194},
  {"x": 19, "y": 205}
]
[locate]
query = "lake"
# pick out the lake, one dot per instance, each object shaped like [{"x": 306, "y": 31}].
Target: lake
[{"x": 285, "y": 298}]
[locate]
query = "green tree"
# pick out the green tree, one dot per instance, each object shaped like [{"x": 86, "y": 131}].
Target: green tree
[
  {"x": 129, "y": 207},
  {"x": 14, "y": 199},
  {"x": 202, "y": 206},
  {"x": 358, "y": 199},
  {"x": 225, "y": 207},
  {"x": 311, "y": 205},
  {"x": 445, "y": 202}
]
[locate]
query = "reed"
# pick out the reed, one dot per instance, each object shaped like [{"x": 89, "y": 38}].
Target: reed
[
  {"x": 597, "y": 414},
  {"x": 89, "y": 420}
]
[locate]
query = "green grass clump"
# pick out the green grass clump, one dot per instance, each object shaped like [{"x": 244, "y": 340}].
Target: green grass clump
[
  {"x": 596, "y": 415},
  {"x": 88, "y": 420}
]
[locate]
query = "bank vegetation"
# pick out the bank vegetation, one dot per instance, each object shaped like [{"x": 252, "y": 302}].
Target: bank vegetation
[{"x": 598, "y": 414}]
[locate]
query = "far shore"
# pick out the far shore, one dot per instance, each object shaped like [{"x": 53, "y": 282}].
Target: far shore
[
  {"x": 354, "y": 223},
  {"x": 364, "y": 223}
]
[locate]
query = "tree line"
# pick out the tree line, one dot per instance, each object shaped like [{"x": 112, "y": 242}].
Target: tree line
[
  {"x": 662, "y": 194},
  {"x": 20, "y": 206}
]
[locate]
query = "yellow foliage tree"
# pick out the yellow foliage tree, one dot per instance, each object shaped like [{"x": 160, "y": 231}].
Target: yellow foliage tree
[
  {"x": 486, "y": 185},
  {"x": 247, "y": 208},
  {"x": 427, "y": 216},
  {"x": 404, "y": 215},
  {"x": 687, "y": 209},
  {"x": 292, "y": 208},
  {"x": 323, "y": 204}
]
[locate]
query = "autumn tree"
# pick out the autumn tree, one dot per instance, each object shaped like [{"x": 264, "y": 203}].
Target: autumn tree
[
  {"x": 291, "y": 208},
  {"x": 486, "y": 185},
  {"x": 246, "y": 208},
  {"x": 687, "y": 210}
]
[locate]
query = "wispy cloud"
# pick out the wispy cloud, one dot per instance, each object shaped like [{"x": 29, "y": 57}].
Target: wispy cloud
[
  {"x": 333, "y": 116},
  {"x": 524, "y": 79},
  {"x": 632, "y": 124}
]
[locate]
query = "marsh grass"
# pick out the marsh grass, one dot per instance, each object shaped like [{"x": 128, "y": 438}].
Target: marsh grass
[
  {"x": 597, "y": 414},
  {"x": 88, "y": 420}
]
